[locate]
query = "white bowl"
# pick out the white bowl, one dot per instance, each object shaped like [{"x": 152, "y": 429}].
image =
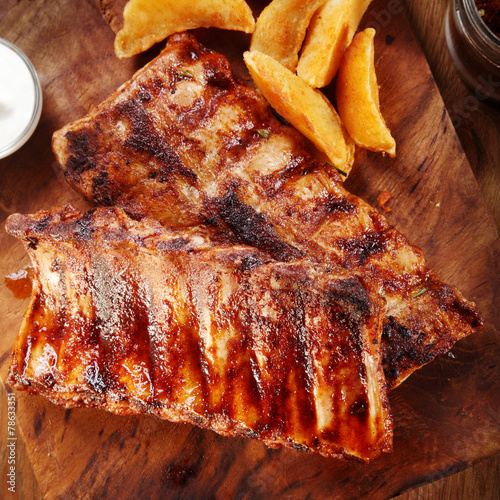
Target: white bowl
[{"x": 20, "y": 98}]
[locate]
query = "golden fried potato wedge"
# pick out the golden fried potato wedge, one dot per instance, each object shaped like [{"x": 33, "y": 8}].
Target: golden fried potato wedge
[
  {"x": 358, "y": 98},
  {"x": 281, "y": 29},
  {"x": 331, "y": 30},
  {"x": 146, "y": 22},
  {"x": 305, "y": 108}
]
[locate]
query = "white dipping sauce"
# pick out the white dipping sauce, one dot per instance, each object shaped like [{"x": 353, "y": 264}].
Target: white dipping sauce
[{"x": 20, "y": 98}]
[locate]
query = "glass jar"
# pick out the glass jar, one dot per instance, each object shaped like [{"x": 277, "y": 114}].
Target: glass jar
[{"x": 474, "y": 48}]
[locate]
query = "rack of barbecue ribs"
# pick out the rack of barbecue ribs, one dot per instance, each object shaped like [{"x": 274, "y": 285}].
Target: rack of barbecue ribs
[
  {"x": 180, "y": 143},
  {"x": 131, "y": 317},
  {"x": 226, "y": 278}
]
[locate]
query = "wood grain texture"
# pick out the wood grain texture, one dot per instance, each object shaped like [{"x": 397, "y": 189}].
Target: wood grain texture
[
  {"x": 476, "y": 121},
  {"x": 477, "y": 124},
  {"x": 446, "y": 415}
]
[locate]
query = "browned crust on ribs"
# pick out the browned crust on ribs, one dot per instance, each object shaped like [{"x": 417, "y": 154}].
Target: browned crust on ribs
[{"x": 134, "y": 318}]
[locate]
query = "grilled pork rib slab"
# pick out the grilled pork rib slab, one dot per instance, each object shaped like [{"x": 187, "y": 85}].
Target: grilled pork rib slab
[
  {"x": 184, "y": 143},
  {"x": 134, "y": 318}
]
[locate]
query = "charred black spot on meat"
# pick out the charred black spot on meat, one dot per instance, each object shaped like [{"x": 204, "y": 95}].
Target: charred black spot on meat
[
  {"x": 157, "y": 84},
  {"x": 83, "y": 144},
  {"x": 211, "y": 221},
  {"x": 174, "y": 244},
  {"x": 219, "y": 76},
  {"x": 359, "y": 250},
  {"x": 360, "y": 407},
  {"x": 351, "y": 293},
  {"x": 144, "y": 136},
  {"x": 33, "y": 242},
  {"x": 392, "y": 328},
  {"x": 402, "y": 348},
  {"x": 145, "y": 139},
  {"x": 350, "y": 307},
  {"x": 253, "y": 228},
  {"x": 189, "y": 50},
  {"x": 249, "y": 262},
  {"x": 249, "y": 433},
  {"x": 449, "y": 300},
  {"x": 143, "y": 95},
  {"x": 338, "y": 204},
  {"x": 301, "y": 447},
  {"x": 101, "y": 193},
  {"x": 83, "y": 226},
  {"x": 42, "y": 224},
  {"x": 391, "y": 372},
  {"x": 150, "y": 91}
]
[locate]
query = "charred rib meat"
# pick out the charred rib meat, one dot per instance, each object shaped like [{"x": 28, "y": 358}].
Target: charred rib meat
[
  {"x": 134, "y": 318},
  {"x": 180, "y": 142}
]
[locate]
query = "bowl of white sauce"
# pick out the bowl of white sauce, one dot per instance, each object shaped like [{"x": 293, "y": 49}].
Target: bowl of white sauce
[{"x": 20, "y": 98}]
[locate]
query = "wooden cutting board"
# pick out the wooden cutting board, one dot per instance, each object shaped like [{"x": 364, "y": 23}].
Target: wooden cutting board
[{"x": 446, "y": 416}]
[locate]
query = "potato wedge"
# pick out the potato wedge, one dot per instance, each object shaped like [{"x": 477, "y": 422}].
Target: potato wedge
[
  {"x": 146, "y": 22},
  {"x": 281, "y": 29},
  {"x": 305, "y": 108},
  {"x": 358, "y": 97},
  {"x": 331, "y": 30}
]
